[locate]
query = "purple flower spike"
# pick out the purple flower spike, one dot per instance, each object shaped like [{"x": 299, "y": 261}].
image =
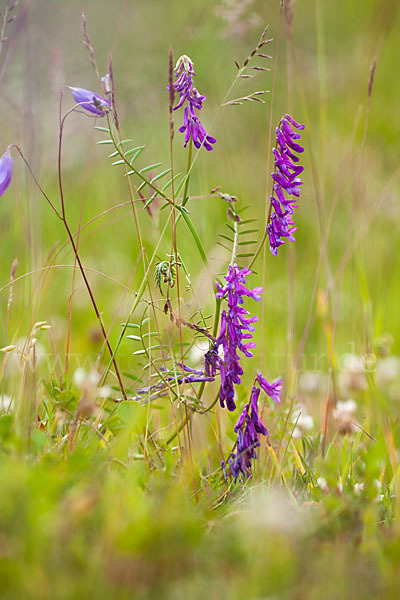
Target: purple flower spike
[
  {"x": 6, "y": 165},
  {"x": 90, "y": 101},
  {"x": 191, "y": 126},
  {"x": 286, "y": 181},
  {"x": 249, "y": 428},
  {"x": 236, "y": 328},
  {"x": 293, "y": 122}
]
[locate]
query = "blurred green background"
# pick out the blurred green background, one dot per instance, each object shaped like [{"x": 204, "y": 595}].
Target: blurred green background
[
  {"x": 326, "y": 88},
  {"x": 98, "y": 521}
]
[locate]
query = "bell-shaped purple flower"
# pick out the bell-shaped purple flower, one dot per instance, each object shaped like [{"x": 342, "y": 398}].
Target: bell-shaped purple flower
[
  {"x": 6, "y": 166},
  {"x": 90, "y": 101},
  {"x": 286, "y": 181}
]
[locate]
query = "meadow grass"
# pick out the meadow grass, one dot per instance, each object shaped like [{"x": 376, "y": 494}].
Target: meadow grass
[{"x": 114, "y": 492}]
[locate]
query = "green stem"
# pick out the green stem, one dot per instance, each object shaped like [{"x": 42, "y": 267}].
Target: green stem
[
  {"x": 235, "y": 239},
  {"x": 182, "y": 211},
  {"x": 178, "y": 429},
  {"x": 217, "y": 314},
  {"x": 132, "y": 168},
  {"x": 188, "y": 417},
  {"x": 188, "y": 170},
  {"x": 259, "y": 248},
  {"x": 136, "y": 302}
]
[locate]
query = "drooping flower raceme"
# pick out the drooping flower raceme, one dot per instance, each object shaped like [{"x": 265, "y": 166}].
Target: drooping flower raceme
[
  {"x": 286, "y": 181},
  {"x": 90, "y": 101},
  {"x": 236, "y": 328},
  {"x": 183, "y": 86},
  {"x": 6, "y": 165},
  {"x": 249, "y": 428}
]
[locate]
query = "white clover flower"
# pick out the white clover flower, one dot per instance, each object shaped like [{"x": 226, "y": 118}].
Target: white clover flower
[
  {"x": 388, "y": 370},
  {"x": 311, "y": 382},
  {"x": 5, "y": 403},
  {"x": 359, "y": 488},
  {"x": 344, "y": 414},
  {"x": 352, "y": 375},
  {"x": 323, "y": 485},
  {"x": 304, "y": 422},
  {"x": 88, "y": 383}
]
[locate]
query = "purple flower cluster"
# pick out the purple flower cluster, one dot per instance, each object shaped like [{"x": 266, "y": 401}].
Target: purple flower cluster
[
  {"x": 249, "y": 428},
  {"x": 236, "y": 327},
  {"x": 6, "y": 166},
  {"x": 90, "y": 101},
  {"x": 184, "y": 87},
  {"x": 192, "y": 376},
  {"x": 286, "y": 179}
]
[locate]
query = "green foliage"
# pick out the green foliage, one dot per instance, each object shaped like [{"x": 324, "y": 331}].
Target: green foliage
[{"x": 109, "y": 497}]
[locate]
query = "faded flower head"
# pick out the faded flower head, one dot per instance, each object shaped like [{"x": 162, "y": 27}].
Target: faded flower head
[
  {"x": 89, "y": 383},
  {"x": 344, "y": 415},
  {"x": 184, "y": 72},
  {"x": 6, "y": 403},
  {"x": 323, "y": 485},
  {"x": 90, "y": 101},
  {"x": 352, "y": 375},
  {"x": 303, "y": 422},
  {"x": 311, "y": 382},
  {"x": 6, "y": 165},
  {"x": 286, "y": 181},
  {"x": 388, "y": 370}
]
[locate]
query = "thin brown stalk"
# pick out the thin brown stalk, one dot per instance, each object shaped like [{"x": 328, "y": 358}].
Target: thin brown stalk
[
  {"x": 77, "y": 246},
  {"x": 356, "y": 196},
  {"x": 71, "y": 238},
  {"x": 174, "y": 246},
  {"x": 9, "y": 302},
  {"x": 267, "y": 184},
  {"x": 88, "y": 45}
]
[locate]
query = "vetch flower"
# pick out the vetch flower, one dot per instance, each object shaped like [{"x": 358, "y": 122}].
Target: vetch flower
[
  {"x": 6, "y": 165},
  {"x": 249, "y": 428},
  {"x": 273, "y": 390},
  {"x": 90, "y": 101},
  {"x": 236, "y": 328},
  {"x": 191, "y": 126},
  {"x": 212, "y": 362},
  {"x": 286, "y": 181},
  {"x": 189, "y": 376},
  {"x": 194, "y": 375}
]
